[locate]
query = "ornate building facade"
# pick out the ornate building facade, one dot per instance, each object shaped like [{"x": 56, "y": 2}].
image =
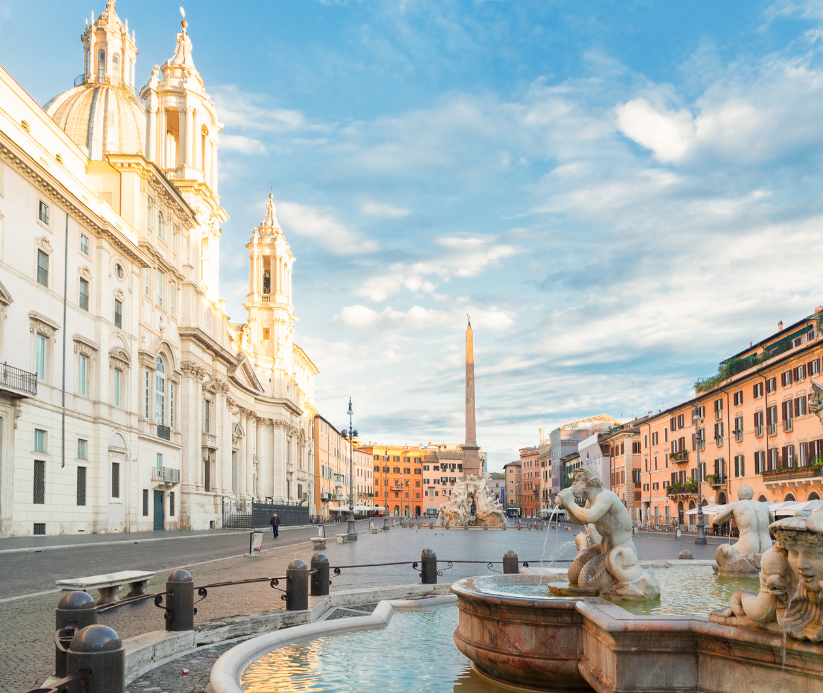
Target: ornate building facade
[{"x": 165, "y": 409}]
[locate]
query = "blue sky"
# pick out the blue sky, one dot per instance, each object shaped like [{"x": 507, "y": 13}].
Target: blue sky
[{"x": 620, "y": 193}]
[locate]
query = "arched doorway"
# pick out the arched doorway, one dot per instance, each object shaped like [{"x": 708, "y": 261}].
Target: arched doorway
[
  {"x": 692, "y": 518},
  {"x": 788, "y": 498},
  {"x": 813, "y": 496},
  {"x": 417, "y": 510},
  {"x": 406, "y": 511},
  {"x": 680, "y": 516},
  {"x": 721, "y": 499},
  {"x": 762, "y": 499},
  {"x": 396, "y": 509}
]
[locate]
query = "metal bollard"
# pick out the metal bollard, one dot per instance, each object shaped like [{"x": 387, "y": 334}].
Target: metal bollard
[
  {"x": 180, "y": 601},
  {"x": 98, "y": 648},
  {"x": 428, "y": 562},
  {"x": 511, "y": 564},
  {"x": 75, "y": 611},
  {"x": 297, "y": 586},
  {"x": 320, "y": 578}
]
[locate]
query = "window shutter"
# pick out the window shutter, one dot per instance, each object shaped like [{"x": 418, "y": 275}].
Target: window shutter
[
  {"x": 797, "y": 407},
  {"x": 804, "y": 453},
  {"x": 682, "y": 445},
  {"x": 673, "y": 424},
  {"x": 784, "y": 455}
]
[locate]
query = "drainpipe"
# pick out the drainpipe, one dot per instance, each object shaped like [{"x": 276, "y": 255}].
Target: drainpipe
[{"x": 765, "y": 413}]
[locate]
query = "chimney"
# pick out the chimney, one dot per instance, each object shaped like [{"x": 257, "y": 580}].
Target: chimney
[
  {"x": 780, "y": 326},
  {"x": 818, "y": 309}
]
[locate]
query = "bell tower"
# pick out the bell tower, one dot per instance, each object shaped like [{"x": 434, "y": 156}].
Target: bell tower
[
  {"x": 181, "y": 139},
  {"x": 269, "y": 301}
]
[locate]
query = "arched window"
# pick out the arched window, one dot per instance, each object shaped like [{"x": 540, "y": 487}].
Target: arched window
[
  {"x": 115, "y": 69},
  {"x": 160, "y": 230},
  {"x": 789, "y": 497},
  {"x": 814, "y": 496},
  {"x": 101, "y": 65},
  {"x": 160, "y": 391}
]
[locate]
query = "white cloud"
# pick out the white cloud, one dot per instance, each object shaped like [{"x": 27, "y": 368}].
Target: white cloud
[
  {"x": 450, "y": 257},
  {"x": 669, "y": 134},
  {"x": 415, "y": 318},
  {"x": 379, "y": 209},
  {"x": 241, "y": 144},
  {"x": 327, "y": 232}
]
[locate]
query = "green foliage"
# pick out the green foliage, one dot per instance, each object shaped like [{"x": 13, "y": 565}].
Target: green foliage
[{"x": 726, "y": 370}]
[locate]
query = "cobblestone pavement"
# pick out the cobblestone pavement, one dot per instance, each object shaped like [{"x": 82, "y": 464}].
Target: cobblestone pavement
[{"x": 26, "y": 639}]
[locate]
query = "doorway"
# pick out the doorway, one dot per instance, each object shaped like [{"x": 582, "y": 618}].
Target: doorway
[{"x": 158, "y": 511}]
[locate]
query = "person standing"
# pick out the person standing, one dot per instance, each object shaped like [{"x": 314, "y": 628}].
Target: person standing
[{"x": 275, "y": 525}]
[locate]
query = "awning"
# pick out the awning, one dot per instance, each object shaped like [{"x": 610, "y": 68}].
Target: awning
[
  {"x": 707, "y": 510},
  {"x": 357, "y": 508}
]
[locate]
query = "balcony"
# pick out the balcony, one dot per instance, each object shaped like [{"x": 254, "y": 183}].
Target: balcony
[
  {"x": 792, "y": 476},
  {"x": 17, "y": 382},
  {"x": 165, "y": 475},
  {"x": 681, "y": 457},
  {"x": 716, "y": 481},
  {"x": 210, "y": 441},
  {"x": 681, "y": 490},
  {"x": 163, "y": 432}
]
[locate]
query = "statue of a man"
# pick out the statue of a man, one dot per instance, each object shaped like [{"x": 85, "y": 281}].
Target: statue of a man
[
  {"x": 609, "y": 567},
  {"x": 753, "y": 519}
]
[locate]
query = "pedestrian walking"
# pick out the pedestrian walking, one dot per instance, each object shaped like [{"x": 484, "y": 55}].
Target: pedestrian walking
[{"x": 275, "y": 525}]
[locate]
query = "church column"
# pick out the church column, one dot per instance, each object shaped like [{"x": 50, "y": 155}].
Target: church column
[
  {"x": 195, "y": 141},
  {"x": 280, "y": 459},
  {"x": 161, "y": 139},
  {"x": 187, "y": 149},
  {"x": 151, "y": 136},
  {"x": 251, "y": 452},
  {"x": 241, "y": 457},
  {"x": 264, "y": 466}
]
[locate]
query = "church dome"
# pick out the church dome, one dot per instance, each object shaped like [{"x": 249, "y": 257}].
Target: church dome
[{"x": 103, "y": 118}]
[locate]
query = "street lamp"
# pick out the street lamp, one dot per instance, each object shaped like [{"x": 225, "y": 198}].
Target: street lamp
[
  {"x": 386, "y": 525},
  {"x": 701, "y": 536},
  {"x": 352, "y": 532}
]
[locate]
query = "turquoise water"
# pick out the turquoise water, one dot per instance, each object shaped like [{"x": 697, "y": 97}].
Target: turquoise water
[
  {"x": 684, "y": 591},
  {"x": 414, "y": 653}
]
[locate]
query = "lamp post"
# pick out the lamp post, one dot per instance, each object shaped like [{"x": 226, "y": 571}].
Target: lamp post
[
  {"x": 352, "y": 532},
  {"x": 386, "y": 525},
  {"x": 701, "y": 536}
]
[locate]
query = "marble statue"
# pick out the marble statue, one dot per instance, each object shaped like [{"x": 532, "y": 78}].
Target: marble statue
[
  {"x": 608, "y": 568},
  {"x": 753, "y": 519},
  {"x": 790, "y": 599},
  {"x": 816, "y": 400},
  {"x": 472, "y": 503}
]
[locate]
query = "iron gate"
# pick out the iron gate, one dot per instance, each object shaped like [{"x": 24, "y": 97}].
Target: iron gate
[{"x": 252, "y": 514}]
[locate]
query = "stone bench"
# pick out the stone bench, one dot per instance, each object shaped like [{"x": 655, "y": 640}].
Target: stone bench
[
  {"x": 342, "y": 538},
  {"x": 319, "y": 542},
  {"x": 109, "y": 585}
]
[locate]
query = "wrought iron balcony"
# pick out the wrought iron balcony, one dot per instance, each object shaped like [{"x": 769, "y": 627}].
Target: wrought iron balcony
[
  {"x": 791, "y": 473},
  {"x": 17, "y": 381},
  {"x": 681, "y": 457},
  {"x": 165, "y": 474},
  {"x": 163, "y": 432},
  {"x": 681, "y": 490}
]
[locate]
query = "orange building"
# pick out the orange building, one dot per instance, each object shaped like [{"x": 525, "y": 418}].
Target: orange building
[
  {"x": 530, "y": 486},
  {"x": 398, "y": 477},
  {"x": 757, "y": 425},
  {"x": 513, "y": 480}
]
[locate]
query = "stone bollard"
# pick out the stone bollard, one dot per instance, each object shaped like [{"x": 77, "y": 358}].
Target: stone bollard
[
  {"x": 446, "y": 525},
  {"x": 428, "y": 563},
  {"x": 685, "y": 555},
  {"x": 519, "y": 526},
  {"x": 540, "y": 525},
  {"x": 511, "y": 564},
  {"x": 179, "y": 601},
  {"x": 485, "y": 525},
  {"x": 505, "y": 526},
  {"x": 320, "y": 578},
  {"x": 75, "y": 611},
  {"x": 297, "y": 586},
  {"x": 98, "y": 648}
]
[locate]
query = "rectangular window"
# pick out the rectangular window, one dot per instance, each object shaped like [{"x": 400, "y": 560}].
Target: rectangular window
[
  {"x": 738, "y": 398},
  {"x": 118, "y": 313},
  {"x": 84, "y": 294},
  {"x": 758, "y": 423},
  {"x": 718, "y": 433},
  {"x": 718, "y": 408},
  {"x": 673, "y": 423},
  {"x": 771, "y": 385},
  {"x": 42, "y": 352},
  {"x": 145, "y": 502},
  {"x": 786, "y": 379},
  {"x": 171, "y": 404},
  {"x": 757, "y": 390},
  {"x": 43, "y": 212},
  {"x": 738, "y": 428},
  {"x": 654, "y": 438},
  {"x": 39, "y": 482},
  {"x": 800, "y": 406},
  {"x": 115, "y": 480},
  {"x": 148, "y": 393},
  {"x": 147, "y": 281},
  {"x": 42, "y": 268},
  {"x": 739, "y": 466},
  {"x": 814, "y": 367},
  {"x": 804, "y": 454},
  {"x": 117, "y": 387},
  {"x": 161, "y": 282},
  {"x": 206, "y": 412},
  {"x": 82, "y": 449},
  {"x": 171, "y": 503},
  {"x": 84, "y": 244},
  {"x": 665, "y": 435},
  {"x": 40, "y": 440},
  {"x": 774, "y": 459},
  {"x": 171, "y": 298},
  {"x": 800, "y": 372},
  {"x": 83, "y": 376},
  {"x": 81, "y": 486}
]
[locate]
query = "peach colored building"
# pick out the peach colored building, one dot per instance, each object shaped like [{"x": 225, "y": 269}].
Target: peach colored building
[
  {"x": 530, "y": 487},
  {"x": 757, "y": 426},
  {"x": 513, "y": 487},
  {"x": 398, "y": 477}
]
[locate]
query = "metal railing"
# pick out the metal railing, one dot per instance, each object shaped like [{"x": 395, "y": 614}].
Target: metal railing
[
  {"x": 18, "y": 379},
  {"x": 167, "y": 474},
  {"x": 791, "y": 473},
  {"x": 163, "y": 432}
]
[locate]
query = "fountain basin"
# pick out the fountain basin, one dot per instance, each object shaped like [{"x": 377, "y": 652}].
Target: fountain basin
[{"x": 566, "y": 644}]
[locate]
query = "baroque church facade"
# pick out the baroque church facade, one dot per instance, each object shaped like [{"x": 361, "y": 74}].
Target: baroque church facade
[{"x": 110, "y": 232}]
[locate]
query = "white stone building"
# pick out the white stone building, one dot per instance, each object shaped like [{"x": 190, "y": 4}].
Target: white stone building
[{"x": 170, "y": 409}]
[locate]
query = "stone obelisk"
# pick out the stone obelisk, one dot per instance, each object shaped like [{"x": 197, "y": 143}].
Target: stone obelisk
[{"x": 472, "y": 464}]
